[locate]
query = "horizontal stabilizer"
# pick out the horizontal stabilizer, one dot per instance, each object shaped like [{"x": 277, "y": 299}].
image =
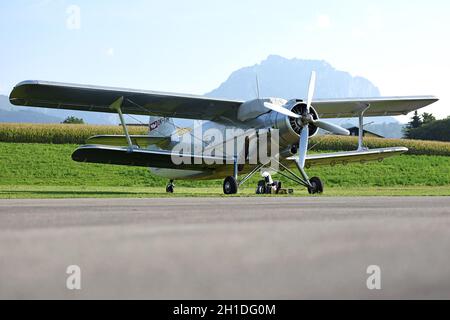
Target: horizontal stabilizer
[
  {"x": 345, "y": 158},
  {"x": 121, "y": 141}
]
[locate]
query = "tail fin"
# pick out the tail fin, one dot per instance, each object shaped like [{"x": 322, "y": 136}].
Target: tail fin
[{"x": 161, "y": 127}]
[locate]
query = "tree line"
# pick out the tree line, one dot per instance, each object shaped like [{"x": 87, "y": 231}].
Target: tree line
[{"x": 426, "y": 127}]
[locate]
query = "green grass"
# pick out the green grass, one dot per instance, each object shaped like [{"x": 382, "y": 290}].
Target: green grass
[
  {"x": 47, "y": 171},
  {"x": 64, "y": 192}
]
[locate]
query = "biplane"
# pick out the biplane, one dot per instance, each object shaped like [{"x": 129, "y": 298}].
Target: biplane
[{"x": 295, "y": 122}]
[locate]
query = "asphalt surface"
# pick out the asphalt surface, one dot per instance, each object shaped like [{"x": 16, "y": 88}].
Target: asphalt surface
[{"x": 227, "y": 248}]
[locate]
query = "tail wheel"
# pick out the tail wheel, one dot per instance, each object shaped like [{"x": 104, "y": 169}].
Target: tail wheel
[
  {"x": 230, "y": 186},
  {"x": 316, "y": 186},
  {"x": 170, "y": 188}
]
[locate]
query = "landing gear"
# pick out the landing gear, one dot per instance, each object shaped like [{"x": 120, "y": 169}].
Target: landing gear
[
  {"x": 230, "y": 186},
  {"x": 264, "y": 188},
  {"x": 316, "y": 186},
  {"x": 170, "y": 187},
  {"x": 268, "y": 186},
  {"x": 313, "y": 185}
]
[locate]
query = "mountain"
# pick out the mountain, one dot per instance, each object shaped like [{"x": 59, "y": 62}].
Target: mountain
[
  {"x": 284, "y": 78},
  {"x": 289, "y": 78},
  {"x": 12, "y": 114},
  {"x": 88, "y": 117},
  {"x": 278, "y": 77}
]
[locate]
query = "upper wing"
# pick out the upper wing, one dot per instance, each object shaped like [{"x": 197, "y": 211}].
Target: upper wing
[
  {"x": 394, "y": 106},
  {"x": 94, "y": 98}
]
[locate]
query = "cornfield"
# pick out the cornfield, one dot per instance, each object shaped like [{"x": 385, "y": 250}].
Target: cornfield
[
  {"x": 58, "y": 133},
  {"x": 77, "y": 134},
  {"x": 416, "y": 147}
]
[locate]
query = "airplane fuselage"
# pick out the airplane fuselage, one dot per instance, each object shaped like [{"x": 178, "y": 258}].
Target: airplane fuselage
[{"x": 201, "y": 136}]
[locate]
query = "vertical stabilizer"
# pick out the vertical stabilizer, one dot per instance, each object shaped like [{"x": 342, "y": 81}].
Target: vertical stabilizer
[{"x": 161, "y": 127}]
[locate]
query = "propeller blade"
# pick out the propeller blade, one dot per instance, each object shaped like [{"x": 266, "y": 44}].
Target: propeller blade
[
  {"x": 331, "y": 127},
  {"x": 303, "y": 146},
  {"x": 281, "y": 110},
  {"x": 312, "y": 88},
  {"x": 304, "y": 135}
]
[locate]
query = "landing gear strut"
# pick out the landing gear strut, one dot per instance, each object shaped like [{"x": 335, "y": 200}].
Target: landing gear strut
[
  {"x": 170, "y": 187},
  {"x": 313, "y": 185}
]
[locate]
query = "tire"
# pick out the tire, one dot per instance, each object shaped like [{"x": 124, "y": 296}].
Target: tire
[
  {"x": 317, "y": 186},
  {"x": 230, "y": 186},
  {"x": 278, "y": 186},
  {"x": 170, "y": 188},
  {"x": 261, "y": 189}
]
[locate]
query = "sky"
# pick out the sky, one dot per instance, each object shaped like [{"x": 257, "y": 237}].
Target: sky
[{"x": 403, "y": 47}]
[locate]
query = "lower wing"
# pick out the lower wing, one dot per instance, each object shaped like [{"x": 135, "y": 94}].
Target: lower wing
[
  {"x": 345, "y": 158},
  {"x": 164, "y": 159},
  {"x": 146, "y": 158}
]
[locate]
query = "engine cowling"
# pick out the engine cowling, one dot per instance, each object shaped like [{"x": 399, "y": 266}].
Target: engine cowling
[{"x": 290, "y": 128}]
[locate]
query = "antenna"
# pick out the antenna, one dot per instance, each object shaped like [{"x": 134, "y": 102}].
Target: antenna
[{"x": 257, "y": 87}]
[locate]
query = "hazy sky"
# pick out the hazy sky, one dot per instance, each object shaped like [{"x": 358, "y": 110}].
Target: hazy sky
[{"x": 192, "y": 46}]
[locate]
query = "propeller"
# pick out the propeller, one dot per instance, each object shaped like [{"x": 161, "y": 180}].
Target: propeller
[
  {"x": 330, "y": 127},
  {"x": 282, "y": 110},
  {"x": 305, "y": 119}
]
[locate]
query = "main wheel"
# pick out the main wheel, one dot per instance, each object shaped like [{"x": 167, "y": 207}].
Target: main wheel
[
  {"x": 230, "y": 186},
  {"x": 316, "y": 186}
]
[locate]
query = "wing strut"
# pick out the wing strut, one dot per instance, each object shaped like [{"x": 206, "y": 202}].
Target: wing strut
[
  {"x": 117, "y": 105},
  {"x": 361, "y": 146}
]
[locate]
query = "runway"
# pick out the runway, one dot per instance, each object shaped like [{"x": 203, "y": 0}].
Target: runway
[{"x": 226, "y": 248}]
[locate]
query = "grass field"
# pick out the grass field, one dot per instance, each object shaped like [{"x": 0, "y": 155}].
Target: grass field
[
  {"x": 47, "y": 171},
  {"x": 64, "y": 192}
]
